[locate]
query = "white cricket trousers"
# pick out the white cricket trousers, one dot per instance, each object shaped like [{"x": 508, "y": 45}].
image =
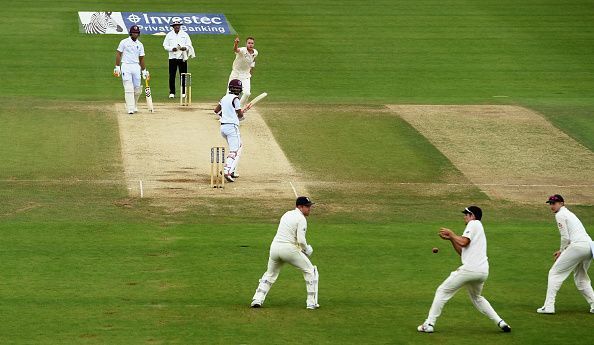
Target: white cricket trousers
[
  {"x": 230, "y": 132},
  {"x": 474, "y": 282},
  {"x": 280, "y": 254},
  {"x": 575, "y": 258},
  {"x": 131, "y": 81}
]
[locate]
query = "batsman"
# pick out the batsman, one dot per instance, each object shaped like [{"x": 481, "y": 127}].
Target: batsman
[
  {"x": 290, "y": 246},
  {"x": 230, "y": 112}
]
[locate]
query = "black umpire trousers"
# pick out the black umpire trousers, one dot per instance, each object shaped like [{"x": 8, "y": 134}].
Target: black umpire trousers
[{"x": 174, "y": 64}]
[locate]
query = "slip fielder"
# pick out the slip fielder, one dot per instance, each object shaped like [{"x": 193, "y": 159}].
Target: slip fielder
[
  {"x": 130, "y": 55},
  {"x": 243, "y": 66},
  {"x": 472, "y": 247},
  {"x": 290, "y": 246},
  {"x": 574, "y": 255}
]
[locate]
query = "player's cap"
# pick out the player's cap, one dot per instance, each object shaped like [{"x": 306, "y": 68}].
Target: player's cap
[
  {"x": 134, "y": 29},
  {"x": 555, "y": 198},
  {"x": 303, "y": 201},
  {"x": 475, "y": 210},
  {"x": 176, "y": 22}
]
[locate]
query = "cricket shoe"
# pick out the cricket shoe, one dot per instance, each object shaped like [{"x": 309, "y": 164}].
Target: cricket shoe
[
  {"x": 234, "y": 175},
  {"x": 592, "y": 309},
  {"x": 229, "y": 178},
  {"x": 425, "y": 328},
  {"x": 130, "y": 112},
  {"x": 545, "y": 310},
  {"x": 256, "y": 304},
  {"x": 135, "y": 109},
  {"x": 313, "y": 306},
  {"x": 504, "y": 326},
  {"x": 171, "y": 95}
]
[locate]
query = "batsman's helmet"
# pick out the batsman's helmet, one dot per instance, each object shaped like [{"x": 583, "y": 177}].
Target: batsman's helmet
[
  {"x": 235, "y": 86},
  {"x": 134, "y": 29}
]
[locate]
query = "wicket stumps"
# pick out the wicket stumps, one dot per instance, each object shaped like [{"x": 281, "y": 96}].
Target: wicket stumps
[
  {"x": 217, "y": 167},
  {"x": 185, "y": 97}
]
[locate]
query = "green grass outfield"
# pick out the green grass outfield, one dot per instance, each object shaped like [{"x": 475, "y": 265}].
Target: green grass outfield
[{"x": 82, "y": 263}]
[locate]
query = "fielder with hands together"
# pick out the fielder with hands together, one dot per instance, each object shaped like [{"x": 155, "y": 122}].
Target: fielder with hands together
[
  {"x": 290, "y": 246},
  {"x": 472, "y": 247},
  {"x": 130, "y": 55}
]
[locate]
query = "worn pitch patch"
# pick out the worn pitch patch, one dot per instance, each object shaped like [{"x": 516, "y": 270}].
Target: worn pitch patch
[
  {"x": 167, "y": 154},
  {"x": 509, "y": 152}
]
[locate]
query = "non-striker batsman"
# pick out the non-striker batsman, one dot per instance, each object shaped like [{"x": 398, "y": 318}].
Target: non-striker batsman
[{"x": 129, "y": 64}]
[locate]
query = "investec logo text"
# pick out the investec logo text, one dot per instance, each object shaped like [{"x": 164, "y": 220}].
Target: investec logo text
[{"x": 147, "y": 20}]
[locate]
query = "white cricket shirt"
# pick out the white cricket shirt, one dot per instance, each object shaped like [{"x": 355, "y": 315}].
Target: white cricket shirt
[
  {"x": 243, "y": 62},
  {"x": 570, "y": 227},
  {"x": 131, "y": 50},
  {"x": 291, "y": 229},
  {"x": 173, "y": 40},
  {"x": 229, "y": 105},
  {"x": 474, "y": 255}
]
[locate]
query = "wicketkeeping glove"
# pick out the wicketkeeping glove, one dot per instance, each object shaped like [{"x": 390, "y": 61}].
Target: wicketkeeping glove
[
  {"x": 117, "y": 71},
  {"x": 145, "y": 74}
]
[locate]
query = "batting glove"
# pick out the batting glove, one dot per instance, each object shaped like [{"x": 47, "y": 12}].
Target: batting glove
[
  {"x": 308, "y": 250},
  {"x": 117, "y": 71},
  {"x": 145, "y": 74}
]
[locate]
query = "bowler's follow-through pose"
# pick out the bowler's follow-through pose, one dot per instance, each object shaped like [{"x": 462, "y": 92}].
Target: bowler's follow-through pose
[
  {"x": 243, "y": 66},
  {"x": 130, "y": 54},
  {"x": 574, "y": 255},
  {"x": 472, "y": 247},
  {"x": 290, "y": 246}
]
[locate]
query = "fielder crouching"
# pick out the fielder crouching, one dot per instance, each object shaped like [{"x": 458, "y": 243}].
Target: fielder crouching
[
  {"x": 290, "y": 246},
  {"x": 128, "y": 64}
]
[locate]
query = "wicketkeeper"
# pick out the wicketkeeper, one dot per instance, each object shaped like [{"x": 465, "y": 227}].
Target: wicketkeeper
[
  {"x": 290, "y": 246},
  {"x": 130, "y": 55}
]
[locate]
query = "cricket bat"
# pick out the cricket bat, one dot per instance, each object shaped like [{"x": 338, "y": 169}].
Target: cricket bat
[
  {"x": 149, "y": 98},
  {"x": 254, "y": 101}
]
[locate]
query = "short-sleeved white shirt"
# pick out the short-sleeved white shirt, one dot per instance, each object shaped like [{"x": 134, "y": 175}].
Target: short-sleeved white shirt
[
  {"x": 474, "y": 255},
  {"x": 292, "y": 229},
  {"x": 243, "y": 62},
  {"x": 229, "y": 104},
  {"x": 131, "y": 50}
]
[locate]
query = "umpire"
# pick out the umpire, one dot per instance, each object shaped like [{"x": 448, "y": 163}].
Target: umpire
[{"x": 179, "y": 46}]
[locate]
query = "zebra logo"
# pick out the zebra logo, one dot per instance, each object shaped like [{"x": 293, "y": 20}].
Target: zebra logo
[{"x": 101, "y": 22}]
